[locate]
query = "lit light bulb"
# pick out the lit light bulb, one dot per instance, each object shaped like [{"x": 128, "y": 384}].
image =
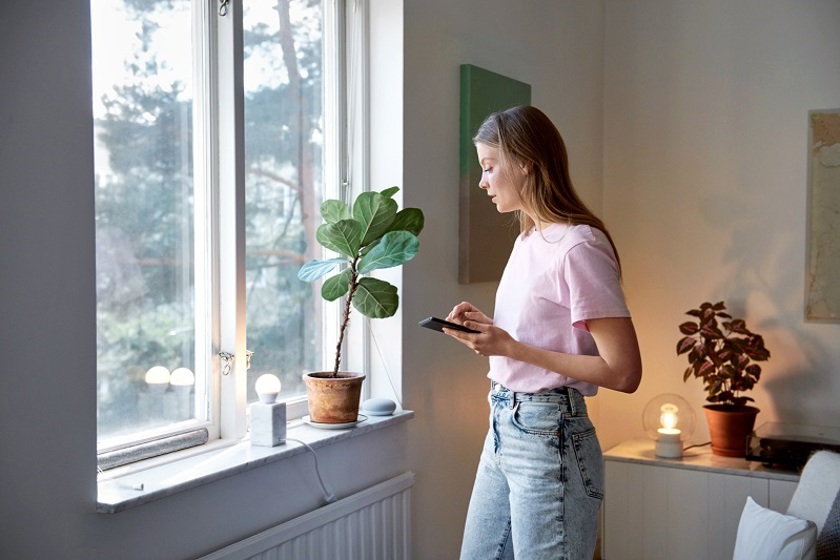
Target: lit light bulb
[
  {"x": 182, "y": 377},
  {"x": 669, "y": 442},
  {"x": 157, "y": 378},
  {"x": 668, "y": 418},
  {"x": 267, "y": 387},
  {"x": 268, "y": 417}
]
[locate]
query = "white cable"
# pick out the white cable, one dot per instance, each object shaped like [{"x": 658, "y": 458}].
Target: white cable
[
  {"x": 328, "y": 496},
  {"x": 385, "y": 365}
]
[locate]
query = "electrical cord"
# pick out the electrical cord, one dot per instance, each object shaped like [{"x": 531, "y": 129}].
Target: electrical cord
[
  {"x": 329, "y": 497},
  {"x": 696, "y": 445},
  {"x": 385, "y": 365}
]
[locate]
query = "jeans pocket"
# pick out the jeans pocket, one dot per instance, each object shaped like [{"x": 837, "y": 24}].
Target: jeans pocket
[
  {"x": 590, "y": 462},
  {"x": 539, "y": 418}
]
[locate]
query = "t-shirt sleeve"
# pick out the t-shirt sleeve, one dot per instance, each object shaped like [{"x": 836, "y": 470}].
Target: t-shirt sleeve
[{"x": 592, "y": 276}]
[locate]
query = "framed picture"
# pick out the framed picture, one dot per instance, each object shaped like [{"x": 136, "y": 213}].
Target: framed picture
[
  {"x": 822, "y": 283},
  {"x": 485, "y": 236}
]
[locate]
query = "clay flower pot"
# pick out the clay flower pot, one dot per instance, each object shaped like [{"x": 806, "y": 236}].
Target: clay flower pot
[
  {"x": 729, "y": 427},
  {"x": 333, "y": 400}
]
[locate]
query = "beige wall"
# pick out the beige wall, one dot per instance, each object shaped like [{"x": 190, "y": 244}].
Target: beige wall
[
  {"x": 705, "y": 135},
  {"x": 686, "y": 125},
  {"x": 557, "y": 47}
]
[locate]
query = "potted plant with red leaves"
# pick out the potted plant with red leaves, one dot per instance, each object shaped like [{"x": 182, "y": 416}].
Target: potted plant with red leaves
[{"x": 722, "y": 352}]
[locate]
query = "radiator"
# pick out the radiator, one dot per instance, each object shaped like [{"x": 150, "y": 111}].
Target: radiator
[{"x": 373, "y": 524}]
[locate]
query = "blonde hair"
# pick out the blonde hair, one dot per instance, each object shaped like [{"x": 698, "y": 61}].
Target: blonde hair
[{"x": 526, "y": 136}]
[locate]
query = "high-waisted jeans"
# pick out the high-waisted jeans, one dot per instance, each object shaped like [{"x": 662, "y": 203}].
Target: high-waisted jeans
[{"x": 540, "y": 480}]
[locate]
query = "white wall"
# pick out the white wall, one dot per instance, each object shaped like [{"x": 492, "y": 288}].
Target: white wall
[
  {"x": 557, "y": 47},
  {"x": 705, "y": 146},
  {"x": 690, "y": 114},
  {"x": 48, "y": 337}
]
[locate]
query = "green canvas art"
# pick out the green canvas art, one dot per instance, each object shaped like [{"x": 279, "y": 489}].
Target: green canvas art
[{"x": 486, "y": 237}]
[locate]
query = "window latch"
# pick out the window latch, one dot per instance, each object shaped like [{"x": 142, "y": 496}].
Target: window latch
[{"x": 227, "y": 362}]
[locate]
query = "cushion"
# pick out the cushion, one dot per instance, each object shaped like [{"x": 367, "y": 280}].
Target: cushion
[
  {"x": 764, "y": 534},
  {"x": 828, "y": 541}
]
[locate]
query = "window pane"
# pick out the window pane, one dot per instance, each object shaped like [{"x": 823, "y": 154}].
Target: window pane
[
  {"x": 284, "y": 183},
  {"x": 142, "y": 107}
]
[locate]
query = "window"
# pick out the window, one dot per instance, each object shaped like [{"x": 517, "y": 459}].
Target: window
[{"x": 219, "y": 129}]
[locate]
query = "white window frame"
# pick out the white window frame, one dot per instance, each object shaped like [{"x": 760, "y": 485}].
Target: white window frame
[
  {"x": 219, "y": 176},
  {"x": 351, "y": 174}
]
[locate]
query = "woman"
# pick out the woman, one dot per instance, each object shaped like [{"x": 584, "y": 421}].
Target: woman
[{"x": 561, "y": 330}]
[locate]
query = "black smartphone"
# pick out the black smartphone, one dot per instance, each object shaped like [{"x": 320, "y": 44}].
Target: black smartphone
[{"x": 439, "y": 324}]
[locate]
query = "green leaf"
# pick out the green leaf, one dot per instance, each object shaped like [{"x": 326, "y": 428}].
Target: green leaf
[
  {"x": 376, "y": 298},
  {"x": 376, "y": 213},
  {"x": 395, "y": 248},
  {"x": 409, "y": 219},
  {"x": 389, "y": 192},
  {"x": 343, "y": 237},
  {"x": 337, "y": 286},
  {"x": 334, "y": 211},
  {"x": 314, "y": 269}
]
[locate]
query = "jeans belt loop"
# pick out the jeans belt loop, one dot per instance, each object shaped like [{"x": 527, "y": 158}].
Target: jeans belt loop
[{"x": 572, "y": 401}]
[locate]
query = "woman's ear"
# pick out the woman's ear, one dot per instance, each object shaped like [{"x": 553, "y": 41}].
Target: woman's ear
[{"x": 525, "y": 167}]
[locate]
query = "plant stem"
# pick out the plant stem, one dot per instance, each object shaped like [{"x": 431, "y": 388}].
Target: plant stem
[{"x": 354, "y": 284}]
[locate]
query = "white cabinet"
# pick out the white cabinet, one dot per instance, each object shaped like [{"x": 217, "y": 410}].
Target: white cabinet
[{"x": 688, "y": 508}]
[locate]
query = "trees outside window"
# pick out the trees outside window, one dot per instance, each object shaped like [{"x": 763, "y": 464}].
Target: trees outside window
[{"x": 156, "y": 231}]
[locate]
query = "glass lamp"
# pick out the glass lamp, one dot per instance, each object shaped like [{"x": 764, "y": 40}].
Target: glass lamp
[{"x": 669, "y": 420}]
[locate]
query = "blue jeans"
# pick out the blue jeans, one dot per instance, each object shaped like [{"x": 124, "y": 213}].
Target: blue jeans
[{"x": 540, "y": 480}]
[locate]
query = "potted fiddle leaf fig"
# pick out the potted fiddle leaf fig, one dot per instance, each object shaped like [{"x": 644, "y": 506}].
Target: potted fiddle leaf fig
[
  {"x": 371, "y": 234},
  {"x": 722, "y": 353}
]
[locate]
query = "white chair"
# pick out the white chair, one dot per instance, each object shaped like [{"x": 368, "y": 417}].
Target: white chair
[
  {"x": 764, "y": 534},
  {"x": 817, "y": 488}
]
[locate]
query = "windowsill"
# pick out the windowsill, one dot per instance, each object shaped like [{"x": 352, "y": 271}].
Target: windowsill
[{"x": 119, "y": 489}]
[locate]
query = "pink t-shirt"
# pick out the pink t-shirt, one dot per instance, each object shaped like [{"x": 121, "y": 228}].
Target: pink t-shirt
[{"x": 555, "y": 280}]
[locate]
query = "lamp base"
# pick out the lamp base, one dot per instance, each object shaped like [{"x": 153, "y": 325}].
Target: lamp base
[
  {"x": 669, "y": 448},
  {"x": 268, "y": 424}
]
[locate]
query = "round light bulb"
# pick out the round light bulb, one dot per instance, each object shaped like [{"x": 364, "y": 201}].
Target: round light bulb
[
  {"x": 668, "y": 418},
  {"x": 182, "y": 377},
  {"x": 157, "y": 379},
  {"x": 670, "y": 421},
  {"x": 267, "y": 387},
  {"x": 157, "y": 375}
]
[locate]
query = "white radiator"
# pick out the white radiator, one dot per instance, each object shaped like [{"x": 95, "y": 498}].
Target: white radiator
[{"x": 373, "y": 524}]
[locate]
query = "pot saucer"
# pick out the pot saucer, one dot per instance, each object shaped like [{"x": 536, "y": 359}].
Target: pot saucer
[{"x": 337, "y": 426}]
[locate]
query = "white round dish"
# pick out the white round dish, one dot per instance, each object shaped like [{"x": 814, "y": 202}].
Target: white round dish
[{"x": 340, "y": 426}]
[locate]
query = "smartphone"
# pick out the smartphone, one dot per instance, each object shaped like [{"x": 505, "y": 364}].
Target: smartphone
[{"x": 439, "y": 324}]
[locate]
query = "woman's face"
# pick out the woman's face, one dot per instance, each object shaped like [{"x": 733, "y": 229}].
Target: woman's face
[{"x": 502, "y": 185}]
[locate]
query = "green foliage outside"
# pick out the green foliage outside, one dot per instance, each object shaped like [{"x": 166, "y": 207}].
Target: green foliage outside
[{"x": 144, "y": 208}]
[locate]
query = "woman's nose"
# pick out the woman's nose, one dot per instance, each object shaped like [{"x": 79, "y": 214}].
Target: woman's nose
[{"x": 483, "y": 184}]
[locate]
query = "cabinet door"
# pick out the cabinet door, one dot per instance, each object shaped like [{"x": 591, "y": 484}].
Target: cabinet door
[
  {"x": 781, "y": 492},
  {"x": 727, "y": 496},
  {"x": 673, "y": 512}
]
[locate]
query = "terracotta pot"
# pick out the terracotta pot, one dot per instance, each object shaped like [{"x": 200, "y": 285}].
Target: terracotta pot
[
  {"x": 729, "y": 427},
  {"x": 333, "y": 400}
]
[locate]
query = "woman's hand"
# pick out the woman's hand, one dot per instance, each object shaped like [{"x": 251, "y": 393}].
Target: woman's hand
[
  {"x": 459, "y": 314},
  {"x": 490, "y": 341}
]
